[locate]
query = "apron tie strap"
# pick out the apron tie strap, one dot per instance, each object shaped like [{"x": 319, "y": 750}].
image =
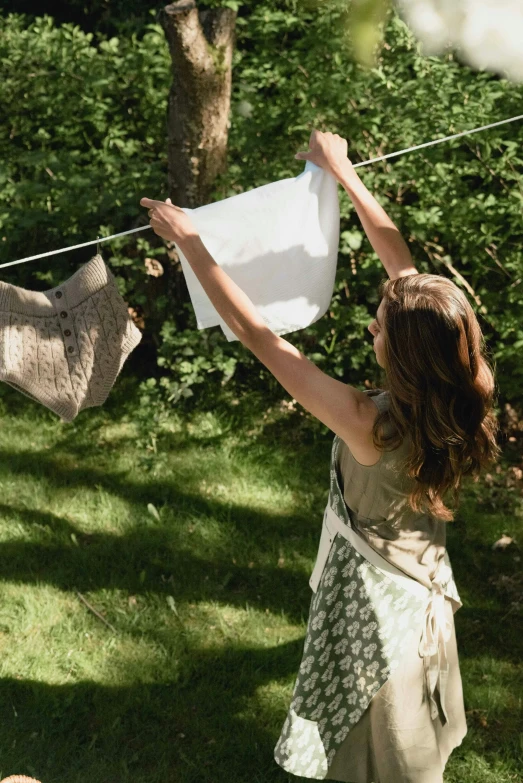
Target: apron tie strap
[{"x": 436, "y": 632}]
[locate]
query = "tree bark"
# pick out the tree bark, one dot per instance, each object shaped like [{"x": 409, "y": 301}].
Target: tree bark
[{"x": 201, "y": 44}]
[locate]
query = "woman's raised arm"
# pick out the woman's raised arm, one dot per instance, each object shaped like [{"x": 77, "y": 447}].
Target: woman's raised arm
[{"x": 345, "y": 410}]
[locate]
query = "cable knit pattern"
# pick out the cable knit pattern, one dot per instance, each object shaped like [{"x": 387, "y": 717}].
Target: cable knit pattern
[{"x": 65, "y": 347}]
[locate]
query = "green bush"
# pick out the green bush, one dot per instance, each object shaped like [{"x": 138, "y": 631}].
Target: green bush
[
  {"x": 107, "y": 16},
  {"x": 83, "y": 137}
]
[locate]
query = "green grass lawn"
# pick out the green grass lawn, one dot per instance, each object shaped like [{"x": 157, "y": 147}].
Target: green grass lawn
[{"x": 207, "y": 594}]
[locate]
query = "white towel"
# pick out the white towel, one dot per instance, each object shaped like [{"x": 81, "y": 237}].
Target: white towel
[{"x": 279, "y": 243}]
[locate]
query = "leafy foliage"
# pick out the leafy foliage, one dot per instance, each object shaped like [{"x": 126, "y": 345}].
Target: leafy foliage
[
  {"x": 107, "y": 16},
  {"x": 459, "y": 204},
  {"x": 85, "y": 137}
]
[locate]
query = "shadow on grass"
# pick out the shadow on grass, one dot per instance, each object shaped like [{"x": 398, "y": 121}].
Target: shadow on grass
[
  {"x": 146, "y": 561},
  {"x": 484, "y": 632},
  {"x": 163, "y": 552},
  {"x": 219, "y": 724},
  {"x": 162, "y": 558},
  {"x": 67, "y": 463},
  {"x": 117, "y": 562},
  {"x": 202, "y": 730}
]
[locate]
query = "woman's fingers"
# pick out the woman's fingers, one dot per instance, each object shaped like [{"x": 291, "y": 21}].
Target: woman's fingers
[
  {"x": 328, "y": 150},
  {"x": 151, "y": 203}
]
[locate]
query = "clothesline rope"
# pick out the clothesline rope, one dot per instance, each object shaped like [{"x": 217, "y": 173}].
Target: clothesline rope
[
  {"x": 355, "y": 165},
  {"x": 438, "y": 141},
  {"x": 74, "y": 247}
]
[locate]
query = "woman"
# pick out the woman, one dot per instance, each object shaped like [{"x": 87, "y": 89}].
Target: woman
[{"x": 378, "y": 697}]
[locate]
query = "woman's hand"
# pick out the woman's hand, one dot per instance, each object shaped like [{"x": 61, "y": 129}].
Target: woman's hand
[
  {"x": 329, "y": 151},
  {"x": 169, "y": 221}
]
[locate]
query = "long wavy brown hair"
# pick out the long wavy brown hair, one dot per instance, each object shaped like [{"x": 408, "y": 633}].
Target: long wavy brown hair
[{"x": 441, "y": 386}]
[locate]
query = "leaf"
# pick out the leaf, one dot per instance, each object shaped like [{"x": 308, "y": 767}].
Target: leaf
[
  {"x": 153, "y": 267},
  {"x": 366, "y": 19},
  {"x": 172, "y": 604},
  {"x": 137, "y": 319},
  {"x": 244, "y": 108},
  {"x": 503, "y": 542},
  {"x": 352, "y": 238},
  {"x": 153, "y": 511}
]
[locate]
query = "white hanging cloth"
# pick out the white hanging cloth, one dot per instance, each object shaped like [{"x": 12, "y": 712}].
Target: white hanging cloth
[{"x": 279, "y": 243}]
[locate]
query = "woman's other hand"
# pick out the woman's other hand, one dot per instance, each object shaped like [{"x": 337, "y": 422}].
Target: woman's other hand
[
  {"x": 329, "y": 151},
  {"x": 169, "y": 221}
]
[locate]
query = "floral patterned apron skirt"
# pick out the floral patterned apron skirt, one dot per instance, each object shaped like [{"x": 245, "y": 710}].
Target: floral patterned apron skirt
[{"x": 365, "y": 614}]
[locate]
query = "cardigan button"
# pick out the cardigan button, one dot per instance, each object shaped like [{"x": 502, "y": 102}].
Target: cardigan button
[
  {"x": 63, "y": 314},
  {"x": 58, "y": 294},
  {"x": 70, "y": 349},
  {"x": 67, "y": 332}
]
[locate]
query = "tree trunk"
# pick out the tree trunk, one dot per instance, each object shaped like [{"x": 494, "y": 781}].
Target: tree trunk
[{"x": 201, "y": 44}]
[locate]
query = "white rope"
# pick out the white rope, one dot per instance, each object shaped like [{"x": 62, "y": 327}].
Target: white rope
[
  {"x": 438, "y": 141},
  {"x": 355, "y": 165},
  {"x": 73, "y": 247}
]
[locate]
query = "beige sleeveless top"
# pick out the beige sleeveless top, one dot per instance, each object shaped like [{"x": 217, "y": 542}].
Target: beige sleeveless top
[{"x": 377, "y": 496}]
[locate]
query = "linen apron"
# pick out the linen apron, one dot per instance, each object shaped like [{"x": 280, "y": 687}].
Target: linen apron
[{"x": 365, "y": 616}]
